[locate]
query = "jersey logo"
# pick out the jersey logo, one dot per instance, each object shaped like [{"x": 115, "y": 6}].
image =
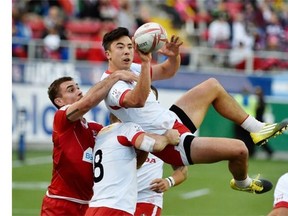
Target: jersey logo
[
  {"x": 87, "y": 155},
  {"x": 150, "y": 160}
]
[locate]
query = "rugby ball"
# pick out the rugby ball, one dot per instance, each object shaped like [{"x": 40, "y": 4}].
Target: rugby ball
[{"x": 150, "y": 37}]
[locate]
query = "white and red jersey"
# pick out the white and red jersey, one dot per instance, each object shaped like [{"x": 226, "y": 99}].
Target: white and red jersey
[
  {"x": 72, "y": 174},
  {"x": 114, "y": 164},
  {"x": 281, "y": 192},
  {"x": 150, "y": 170},
  {"x": 152, "y": 117}
]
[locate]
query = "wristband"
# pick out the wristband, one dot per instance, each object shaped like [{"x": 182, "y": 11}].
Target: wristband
[{"x": 171, "y": 181}]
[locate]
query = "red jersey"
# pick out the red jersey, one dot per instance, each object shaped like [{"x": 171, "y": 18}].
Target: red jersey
[{"x": 72, "y": 175}]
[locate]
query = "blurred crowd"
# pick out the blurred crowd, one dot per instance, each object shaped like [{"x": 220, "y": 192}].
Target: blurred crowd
[{"x": 240, "y": 26}]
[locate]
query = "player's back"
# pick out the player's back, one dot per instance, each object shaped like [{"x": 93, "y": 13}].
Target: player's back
[{"x": 114, "y": 164}]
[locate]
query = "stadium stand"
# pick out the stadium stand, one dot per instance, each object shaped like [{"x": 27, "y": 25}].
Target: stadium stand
[{"x": 82, "y": 29}]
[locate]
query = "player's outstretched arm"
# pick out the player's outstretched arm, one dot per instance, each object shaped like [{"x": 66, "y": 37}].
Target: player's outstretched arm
[
  {"x": 170, "y": 66},
  {"x": 138, "y": 95},
  {"x": 97, "y": 93},
  {"x": 154, "y": 143}
]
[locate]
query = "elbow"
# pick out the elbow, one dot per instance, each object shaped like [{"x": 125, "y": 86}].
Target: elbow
[{"x": 140, "y": 103}]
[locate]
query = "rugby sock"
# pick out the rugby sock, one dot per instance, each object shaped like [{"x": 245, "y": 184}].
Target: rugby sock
[
  {"x": 243, "y": 183},
  {"x": 252, "y": 125}
]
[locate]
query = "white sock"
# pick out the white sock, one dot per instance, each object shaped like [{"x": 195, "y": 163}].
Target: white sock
[
  {"x": 252, "y": 125},
  {"x": 243, "y": 183}
]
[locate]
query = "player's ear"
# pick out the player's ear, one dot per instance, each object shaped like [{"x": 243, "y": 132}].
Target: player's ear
[
  {"x": 59, "y": 102},
  {"x": 107, "y": 54}
]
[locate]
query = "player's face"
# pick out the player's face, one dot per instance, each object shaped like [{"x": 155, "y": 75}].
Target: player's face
[
  {"x": 121, "y": 54},
  {"x": 70, "y": 92}
]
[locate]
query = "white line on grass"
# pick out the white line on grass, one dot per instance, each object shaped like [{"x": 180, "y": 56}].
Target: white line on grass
[
  {"x": 196, "y": 193},
  {"x": 30, "y": 185},
  {"x": 32, "y": 161}
]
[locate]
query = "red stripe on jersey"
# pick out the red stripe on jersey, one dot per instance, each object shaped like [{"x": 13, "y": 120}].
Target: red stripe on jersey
[
  {"x": 281, "y": 204},
  {"x": 124, "y": 141},
  {"x": 122, "y": 97},
  {"x": 108, "y": 72},
  {"x": 136, "y": 136}
]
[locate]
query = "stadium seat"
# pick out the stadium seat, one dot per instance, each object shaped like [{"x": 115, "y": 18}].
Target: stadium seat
[
  {"x": 37, "y": 26},
  {"x": 83, "y": 27}
]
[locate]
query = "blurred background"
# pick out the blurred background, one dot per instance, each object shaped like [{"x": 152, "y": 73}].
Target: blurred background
[{"x": 244, "y": 44}]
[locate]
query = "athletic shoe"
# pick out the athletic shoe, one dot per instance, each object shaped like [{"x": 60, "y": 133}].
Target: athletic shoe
[
  {"x": 268, "y": 131},
  {"x": 258, "y": 186}
]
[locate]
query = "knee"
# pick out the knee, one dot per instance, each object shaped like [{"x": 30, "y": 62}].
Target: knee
[
  {"x": 241, "y": 150},
  {"x": 213, "y": 83}
]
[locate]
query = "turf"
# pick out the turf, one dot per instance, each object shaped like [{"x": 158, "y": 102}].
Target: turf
[{"x": 206, "y": 191}]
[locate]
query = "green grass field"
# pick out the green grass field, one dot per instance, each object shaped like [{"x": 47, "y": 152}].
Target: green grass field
[{"x": 205, "y": 192}]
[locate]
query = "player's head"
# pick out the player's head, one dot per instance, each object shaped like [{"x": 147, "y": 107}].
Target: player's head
[
  {"x": 63, "y": 91},
  {"x": 114, "y": 35},
  {"x": 119, "y": 49}
]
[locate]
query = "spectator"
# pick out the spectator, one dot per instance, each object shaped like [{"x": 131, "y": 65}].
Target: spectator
[
  {"x": 22, "y": 31},
  {"x": 255, "y": 23},
  {"x": 219, "y": 31},
  {"x": 274, "y": 33},
  {"x": 53, "y": 34},
  {"x": 22, "y": 128},
  {"x": 107, "y": 10},
  {"x": 89, "y": 9},
  {"x": 143, "y": 15},
  {"x": 240, "y": 34},
  {"x": 52, "y": 42},
  {"x": 239, "y": 55},
  {"x": 125, "y": 17}
]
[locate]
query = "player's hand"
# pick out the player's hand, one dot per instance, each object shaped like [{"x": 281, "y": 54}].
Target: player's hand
[
  {"x": 159, "y": 185},
  {"x": 173, "y": 136},
  {"x": 126, "y": 75},
  {"x": 172, "y": 47},
  {"x": 145, "y": 57}
]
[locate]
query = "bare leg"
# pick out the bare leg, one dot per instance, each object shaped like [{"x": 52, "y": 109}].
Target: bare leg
[
  {"x": 196, "y": 101},
  {"x": 212, "y": 150}
]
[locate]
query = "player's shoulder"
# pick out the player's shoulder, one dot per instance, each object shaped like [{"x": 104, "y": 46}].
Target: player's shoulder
[{"x": 61, "y": 111}]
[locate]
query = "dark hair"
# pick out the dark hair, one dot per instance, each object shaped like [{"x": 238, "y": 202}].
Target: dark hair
[
  {"x": 53, "y": 89},
  {"x": 113, "y": 35}
]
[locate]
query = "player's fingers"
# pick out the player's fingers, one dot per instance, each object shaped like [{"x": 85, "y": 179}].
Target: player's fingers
[
  {"x": 176, "y": 39},
  {"x": 155, "y": 181}
]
